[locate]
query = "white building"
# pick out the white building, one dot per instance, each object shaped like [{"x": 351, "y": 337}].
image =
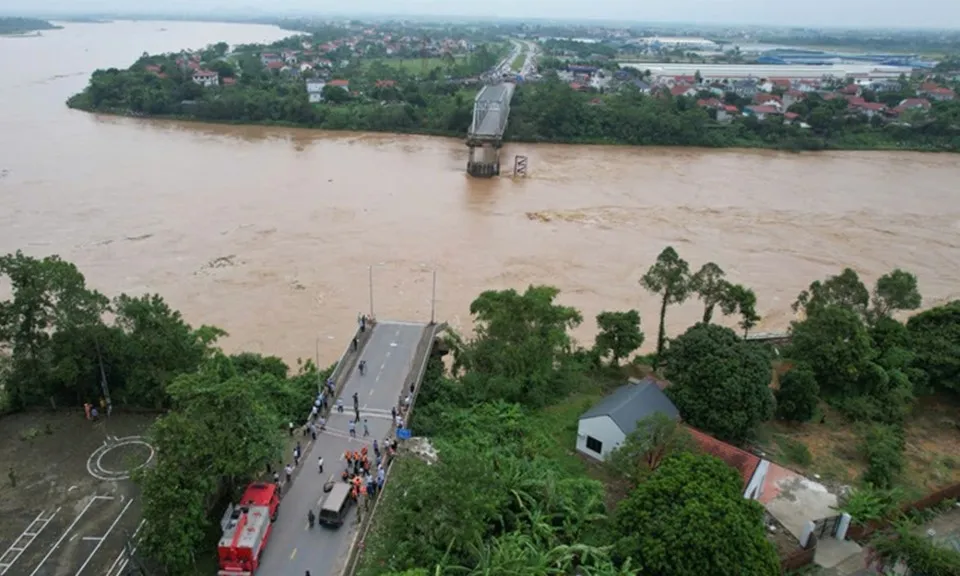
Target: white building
[
  {"x": 604, "y": 427},
  {"x": 315, "y": 90},
  {"x": 682, "y": 42},
  {"x": 711, "y": 72},
  {"x": 206, "y": 78}
]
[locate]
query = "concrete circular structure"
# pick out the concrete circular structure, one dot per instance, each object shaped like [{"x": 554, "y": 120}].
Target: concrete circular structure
[{"x": 95, "y": 461}]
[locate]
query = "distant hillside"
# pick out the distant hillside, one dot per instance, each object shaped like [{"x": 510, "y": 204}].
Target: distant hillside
[{"x": 21, "y": 25}]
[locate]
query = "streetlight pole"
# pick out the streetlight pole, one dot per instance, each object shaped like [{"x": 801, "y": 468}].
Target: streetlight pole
[
  {"x": 371, "y": 292},
  {"x": 433, "y": 300}
]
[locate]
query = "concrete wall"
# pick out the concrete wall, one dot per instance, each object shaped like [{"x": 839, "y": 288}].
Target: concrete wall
[
  {"x": 603, "y": 429},
  {"x": 755, "y": 487}
]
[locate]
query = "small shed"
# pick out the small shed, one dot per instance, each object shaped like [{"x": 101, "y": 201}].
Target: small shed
[{"x": 606, "y": 425}]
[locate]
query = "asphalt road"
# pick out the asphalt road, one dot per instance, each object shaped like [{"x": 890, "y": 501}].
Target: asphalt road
[{"x": 294, "y": 548}]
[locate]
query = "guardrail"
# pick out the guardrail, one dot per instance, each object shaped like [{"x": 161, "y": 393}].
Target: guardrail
[{"x": 357, "y": 545}]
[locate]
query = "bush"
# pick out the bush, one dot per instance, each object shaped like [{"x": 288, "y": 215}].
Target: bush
[
  {"x": 883, "y": 448},
  {"x": 798, "y": 395},
  {"x": 795, "y": 451}
]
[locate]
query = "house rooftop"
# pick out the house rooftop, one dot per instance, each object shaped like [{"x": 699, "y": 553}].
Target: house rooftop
[
  {"x": 632, "y": 403},
  {"x": 744, "y": 462}
]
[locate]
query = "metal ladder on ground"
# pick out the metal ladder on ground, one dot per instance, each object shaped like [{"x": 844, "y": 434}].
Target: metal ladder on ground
[{"x": 23, "y": 541}]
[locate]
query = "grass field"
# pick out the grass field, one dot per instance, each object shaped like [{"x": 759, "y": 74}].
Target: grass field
[
  {"x": 517, "y": 63},
  {"x": 409, "y": 65}
]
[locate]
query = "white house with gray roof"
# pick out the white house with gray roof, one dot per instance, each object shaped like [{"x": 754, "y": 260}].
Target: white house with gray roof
[{"x": 606, "y": 425}]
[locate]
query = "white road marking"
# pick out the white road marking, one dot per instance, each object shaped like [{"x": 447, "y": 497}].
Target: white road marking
[
  {"x": 121, "y": 561},
  {"x": 28, "y": 535},
  {"x": 104, "y": 537},
  {"x": 92, "y": 538},
  {"x": 69, "y": 528}
]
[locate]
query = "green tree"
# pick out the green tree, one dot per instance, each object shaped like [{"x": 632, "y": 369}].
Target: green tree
[
  {"x": 521, "y": 345},
  {"x": 709, "y": 284},
  {"x": 49, "y": 295},
  {"x": 719, "y": 382},
  {"x": 935, "y": 338},
  {"x": 619, "y": 334},
  {"x": 205, "y": 452},
  {"x": 670, "y": 278},
  {"x": 844, "y": 290},
  {"x": 690, "y": 518},
  {"x": 158, "y": 345},
  {"x": 798, "y": 395},
  {"x": 883, "y": 448},
  {"x": 835, "y": 344},
  {"x": 895, "y": 291},
  {"x": 656, "y": 438},
  {"x": 746, "y": 304}
]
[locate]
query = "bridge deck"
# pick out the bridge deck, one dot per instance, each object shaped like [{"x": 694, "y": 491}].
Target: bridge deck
[
  {"x": 391, "y": 354},
  {"x": 492, "y": 125}
]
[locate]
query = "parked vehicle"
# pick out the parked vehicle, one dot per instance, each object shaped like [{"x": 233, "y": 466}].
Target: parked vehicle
[
  {"x": 335, "y": 505},
  {"x": 246, "y": 529}
]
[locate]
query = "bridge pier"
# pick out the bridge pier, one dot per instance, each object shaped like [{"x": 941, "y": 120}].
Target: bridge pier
[{"x": 484, "y": 159}]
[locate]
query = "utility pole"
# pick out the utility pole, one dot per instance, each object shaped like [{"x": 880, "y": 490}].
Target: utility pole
[
  {"x": 103, "y": 379},
  {"x": 433, "y": 300},
  {"x": 371, "y": 292}
]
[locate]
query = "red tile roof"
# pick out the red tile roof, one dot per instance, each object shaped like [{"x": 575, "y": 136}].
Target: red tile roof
[
  {"x": 229, "y": 81},
  {"x": 851, "y": 89},
  {"x": 731, "y": 108},
  {"x": 741, "y": 460},
  {"x": 709, "y": 103},
  {"x": 275, "y": 65},
  {"x": 875, "y": 106},
  {"x": 791, "y": 115},
  {"x": 780, "y": 81},
  {"x": 679, "y": 90},
  {"x": 340, "y": 83},
  {"x": 386, "y": 83},
  {"x": 764, "y": 97},
  {"x": 764, "y": 109}
]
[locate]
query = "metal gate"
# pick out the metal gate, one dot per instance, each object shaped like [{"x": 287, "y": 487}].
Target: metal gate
[{"x": 826, "y": 526}]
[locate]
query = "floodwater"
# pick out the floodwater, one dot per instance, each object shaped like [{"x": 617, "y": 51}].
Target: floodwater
[{"x": 269, "y": 232}]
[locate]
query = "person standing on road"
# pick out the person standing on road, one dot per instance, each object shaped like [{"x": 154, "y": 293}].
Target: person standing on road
[
  {"x": 393, "y": 412},
  {"x": 376, "y": 449},
  {"x": 356, "y": 401},
  {"x": 353, "y": 428},
  {"x": 366, "y": 431},
  {"x": 340, "y": 405},
  {"x": 320, "y": 464},
  {"x": 322, "y": 423},
  {"x": 289, "y": 472},
  {"x": 356, "y": 414}
]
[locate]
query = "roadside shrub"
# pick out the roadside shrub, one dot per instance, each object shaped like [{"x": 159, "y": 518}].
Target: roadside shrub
[
  {"x": 798, "y": 395},
  {"x": 795, "y": 451},
  {"x": 883, "y": 448}
]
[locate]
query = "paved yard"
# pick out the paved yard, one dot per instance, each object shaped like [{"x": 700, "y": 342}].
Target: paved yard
[{"x": 73, "y": 508}]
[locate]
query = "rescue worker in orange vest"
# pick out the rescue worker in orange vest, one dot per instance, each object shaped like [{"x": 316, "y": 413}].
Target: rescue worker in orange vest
[
  {"x": 363, "y": 451},
  {"x": 353, "y": 494}
]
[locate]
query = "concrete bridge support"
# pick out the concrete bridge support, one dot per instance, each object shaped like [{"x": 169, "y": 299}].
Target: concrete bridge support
[{"x": 484, "y": 160}]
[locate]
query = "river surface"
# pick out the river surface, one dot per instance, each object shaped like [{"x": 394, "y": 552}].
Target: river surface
[{"x": 269, "y": 232}]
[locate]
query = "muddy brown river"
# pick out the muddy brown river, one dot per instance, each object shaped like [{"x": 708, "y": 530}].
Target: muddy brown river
[{"x": 269, "y": 232}]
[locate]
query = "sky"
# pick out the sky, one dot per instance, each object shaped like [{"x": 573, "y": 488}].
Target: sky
[{"x": 818, "y": 13}]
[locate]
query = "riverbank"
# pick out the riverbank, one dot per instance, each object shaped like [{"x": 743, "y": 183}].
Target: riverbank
[
  {"x": 536, "y": 117},
  {"x": 853, "y": 143}
]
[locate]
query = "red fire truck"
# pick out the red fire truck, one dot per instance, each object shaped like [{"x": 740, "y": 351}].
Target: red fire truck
[{"x": 246, "y": 528}]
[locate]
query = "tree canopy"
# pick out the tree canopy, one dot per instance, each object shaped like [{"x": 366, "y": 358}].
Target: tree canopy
[
  {"x": 719, "y": 382},
  {"x": 690, "y": 516},
  {"x": 669, "y": 277}
]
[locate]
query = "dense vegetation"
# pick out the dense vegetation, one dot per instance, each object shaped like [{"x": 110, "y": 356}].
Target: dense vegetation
[
  {"x": 506, "y": 495},
  {"x": 9, "y": 25},
  {"x": 61, "y": 351},
  {"x": 430, "y": 104},
  {"x": 439, "y": 101},
  {"x": 501, "y": 497}
]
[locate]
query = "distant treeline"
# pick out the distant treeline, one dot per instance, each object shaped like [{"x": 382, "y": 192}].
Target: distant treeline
[{"x": 21, "y": 25}]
